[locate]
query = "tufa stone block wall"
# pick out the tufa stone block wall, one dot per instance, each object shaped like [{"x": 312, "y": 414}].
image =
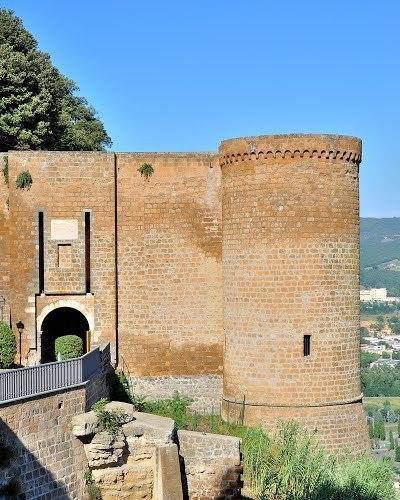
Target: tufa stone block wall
[
  {"x": 64, "y": 186},
  {"x": 204, "y": 390},
  {"x": 215, "y": 263},
  {"x": 169, "y": 264},
  {"x": 290, "y": 267},
  {"x": 211, "y": 464},
  {"x": 48, "y": 459},
  {"x": 4, "y": 244}
]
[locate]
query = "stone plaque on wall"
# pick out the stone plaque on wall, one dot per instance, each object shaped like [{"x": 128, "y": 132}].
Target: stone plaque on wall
[{"x": 64, "y": 229}]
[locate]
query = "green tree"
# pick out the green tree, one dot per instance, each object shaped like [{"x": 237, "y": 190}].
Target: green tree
[
  {"x": 379, "y": 430},
  {"x": 381, "y": 381},
  {"x": 379, "y": 324},
  {"x": 398, "y": 427},
  {"x": 397, "y": 453},
  {"x": 8, "y": 346},
  {"x": 391, "y": 440},
  {"x": 371, "y": 431},
  {"x": 39, "y": 108},
  {"x": 386, "y": 354},
  {"x": 367, "y": 358},
  {"x": 395, "y": 326},
  {"x": 386, "y": 408},
  {"x": 68, "y": 347}
]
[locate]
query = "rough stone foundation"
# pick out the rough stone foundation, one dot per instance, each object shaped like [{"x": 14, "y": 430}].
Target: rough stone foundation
[
  {"x": 341, "y": 428},
  {"x": 212, "y": 465},
  {"x": 141, "y": 460},
  {"x": 205, "y": 390}
]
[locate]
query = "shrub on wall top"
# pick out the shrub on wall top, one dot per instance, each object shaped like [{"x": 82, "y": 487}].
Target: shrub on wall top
[
  {"x": 8, "y": 346},
  {"x": 146, "y": 170},
  {"x": 24, "y": 180},
  {"x": 68, "y": 347}
]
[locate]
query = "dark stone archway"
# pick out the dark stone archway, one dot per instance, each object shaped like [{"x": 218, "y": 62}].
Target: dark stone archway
[{"x": 59, "y": 322}]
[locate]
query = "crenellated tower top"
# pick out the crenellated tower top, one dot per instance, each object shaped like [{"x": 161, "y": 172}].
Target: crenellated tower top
[{"x": 291, "y": 146}]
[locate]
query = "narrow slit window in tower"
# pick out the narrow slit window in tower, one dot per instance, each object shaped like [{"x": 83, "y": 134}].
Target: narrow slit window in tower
[
  {"x": 87, "y": 251},
  {"x": 41, "y": 252},
  {"x": 307, "y": 345}
]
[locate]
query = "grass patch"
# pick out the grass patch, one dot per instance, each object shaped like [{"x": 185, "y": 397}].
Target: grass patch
[
  {"x": 288, "y": 464},
  {"x": 374, "y": 403},
  {"x": 175, "y": 408},
  {"x": 108, "y": 420}
]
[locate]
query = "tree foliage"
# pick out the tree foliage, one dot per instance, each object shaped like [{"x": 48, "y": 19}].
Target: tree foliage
[
  {"x": 397, "y": 453},
  {"x": 394, "y": 323},
  {"x": 8, "y": 346},
  {"x": 367, "y": 358},
  {"x": 381, "y": 381},
  {"x": 371, "y": 308},
  {"x": 391, "y": 440},
  {"x": 68, "y": 347},
  {"x": 39, "y": 108}
]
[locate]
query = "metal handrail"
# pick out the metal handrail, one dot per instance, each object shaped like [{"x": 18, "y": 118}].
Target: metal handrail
[{"x": 41, "y": 379}]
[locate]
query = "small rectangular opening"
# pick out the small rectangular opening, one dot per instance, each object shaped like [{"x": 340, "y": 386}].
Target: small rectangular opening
[
  {"x": 64, "y": 256},
  {"x": 307, "y": 345},
  {"x": 87, "y": 251},
  {"x": 41, "y": 252}
]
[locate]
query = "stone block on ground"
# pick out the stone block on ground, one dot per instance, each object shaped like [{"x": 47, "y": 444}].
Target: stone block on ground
[
  {"x": 85, "y": 424},
  {"x": 167, "y": 474},
  {"x": 160, "y": 430},
  {"x": 131, "y": 481}
]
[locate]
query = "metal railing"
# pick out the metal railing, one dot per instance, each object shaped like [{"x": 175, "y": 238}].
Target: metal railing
[{"x": 41, "y": 379}]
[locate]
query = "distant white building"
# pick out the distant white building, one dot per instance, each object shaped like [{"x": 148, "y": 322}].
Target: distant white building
[
  {"x": 376, "y": 295},
  {"x": 392, "y": 363}
]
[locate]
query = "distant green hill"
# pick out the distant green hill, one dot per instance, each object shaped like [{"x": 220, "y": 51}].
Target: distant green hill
[{"x": 380, "y": 253}]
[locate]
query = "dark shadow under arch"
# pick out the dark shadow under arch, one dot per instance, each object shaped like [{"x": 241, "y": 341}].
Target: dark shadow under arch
[{"x": 59, "y": 322}]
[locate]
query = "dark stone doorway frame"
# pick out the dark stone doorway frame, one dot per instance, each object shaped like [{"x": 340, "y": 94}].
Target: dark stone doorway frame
[{"x": 59, "y": 322}]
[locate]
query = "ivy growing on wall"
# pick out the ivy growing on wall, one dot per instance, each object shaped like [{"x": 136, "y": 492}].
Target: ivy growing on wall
[
  {"x": 146, "y": 170},
  {"x": 24, "y": 180}
]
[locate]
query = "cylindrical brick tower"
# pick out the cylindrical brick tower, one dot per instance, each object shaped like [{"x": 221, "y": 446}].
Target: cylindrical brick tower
[{"x": 291, "y": 284}]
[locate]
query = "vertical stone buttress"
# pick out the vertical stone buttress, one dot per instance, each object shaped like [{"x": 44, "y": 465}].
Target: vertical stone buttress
[{"x": 291, "y": 269}]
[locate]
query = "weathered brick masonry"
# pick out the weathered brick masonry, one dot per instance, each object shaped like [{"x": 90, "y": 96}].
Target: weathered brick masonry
[
  {"x": 291, "y": 269},
  {"x": 169, "y": 264},
  {"x": 260, "y": 241}
]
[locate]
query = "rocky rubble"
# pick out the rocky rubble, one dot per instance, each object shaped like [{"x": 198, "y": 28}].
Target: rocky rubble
[{"x": 123, "y": 463}]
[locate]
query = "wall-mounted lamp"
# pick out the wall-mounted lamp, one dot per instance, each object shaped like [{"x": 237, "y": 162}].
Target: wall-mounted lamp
[{"x": 20, "y": 327}]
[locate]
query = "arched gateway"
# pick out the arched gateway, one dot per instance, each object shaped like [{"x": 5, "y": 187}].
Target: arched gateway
[{"x": 59, "y": 322}]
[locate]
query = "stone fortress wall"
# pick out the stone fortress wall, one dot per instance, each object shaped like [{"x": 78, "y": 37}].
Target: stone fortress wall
[
  {"x": 291, "y": 254},
  {"x": 218, "y": 264}
]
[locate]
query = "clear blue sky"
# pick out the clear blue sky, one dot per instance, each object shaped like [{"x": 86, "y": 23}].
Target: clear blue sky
[{"x": 183, "y": 75}]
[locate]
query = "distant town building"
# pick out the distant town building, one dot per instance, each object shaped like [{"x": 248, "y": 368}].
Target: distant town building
[
  {"x": 376, "y": 295},
  {"x": 391, "y": 363}
]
